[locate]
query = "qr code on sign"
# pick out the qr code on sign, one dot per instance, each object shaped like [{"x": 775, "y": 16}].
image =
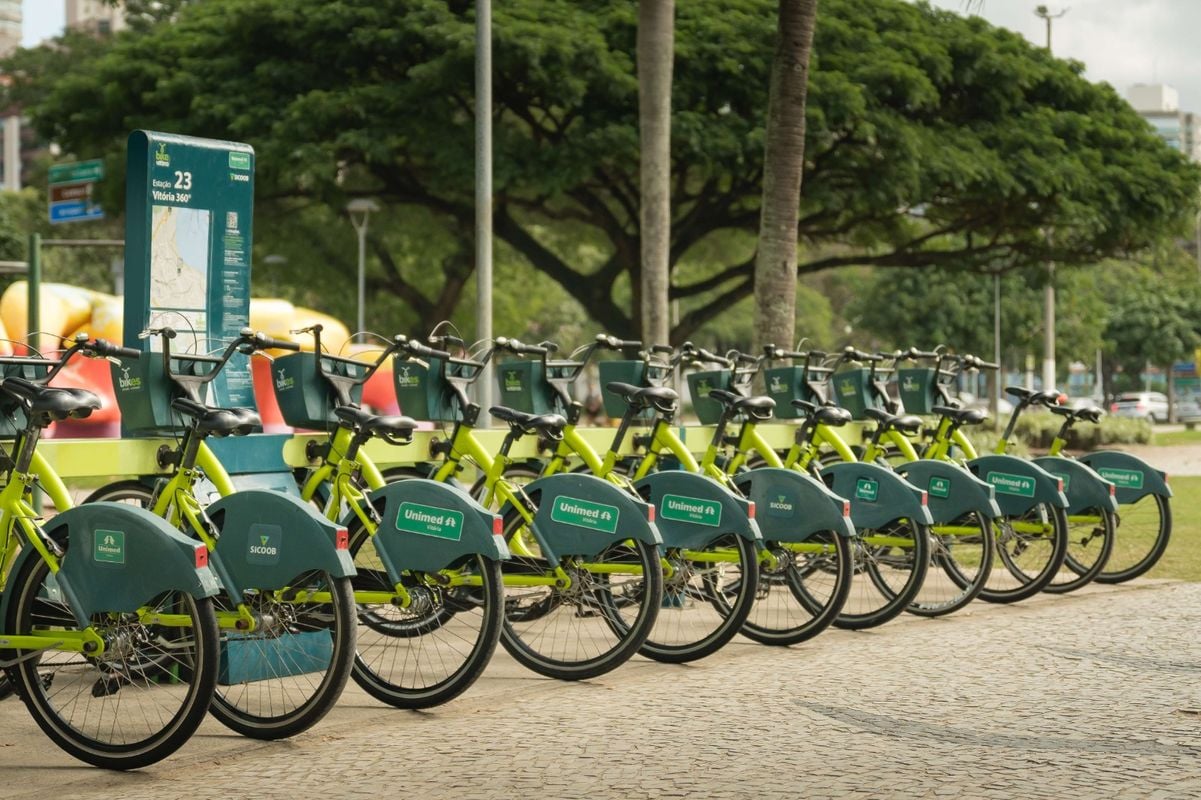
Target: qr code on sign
[{"x": 231, "y": 220}]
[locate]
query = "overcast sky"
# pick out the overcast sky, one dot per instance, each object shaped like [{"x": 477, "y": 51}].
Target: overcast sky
[{"x": 1120, "y": 41}]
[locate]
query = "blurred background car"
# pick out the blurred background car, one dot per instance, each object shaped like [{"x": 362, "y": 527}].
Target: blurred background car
[{"x": 1151, "y": 406}]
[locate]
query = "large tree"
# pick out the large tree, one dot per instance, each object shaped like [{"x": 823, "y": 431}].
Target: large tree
[
  {"x": 656, "y": 21},
  {"x": 931, "y": 139}
]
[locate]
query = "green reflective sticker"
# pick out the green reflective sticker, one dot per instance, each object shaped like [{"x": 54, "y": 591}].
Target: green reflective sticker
[
  {"x": 781, "y": 505},
  {"x": 512, "y": 380},
  {"x": 239, "y": 160},
  {"x": 1067, "y": 479},
  {"x": 847, "y": 388},
  {"x": 263, "y": 544},
  {"x": 109, "y": 547},
  {"x": 866, "y": 489},
  {"x": 584, "y": 514},
  {"x": 442, "y": 523},
  {"x": 690, "y": 509},
  {"x": 1005, "y": 483},
  {"x": 940, "y": 487},
  {"x": 1123, "y": 478}
]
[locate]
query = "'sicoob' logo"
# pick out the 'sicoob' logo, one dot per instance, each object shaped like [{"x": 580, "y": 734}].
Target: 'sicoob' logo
[{"x": 264, "y": 544}]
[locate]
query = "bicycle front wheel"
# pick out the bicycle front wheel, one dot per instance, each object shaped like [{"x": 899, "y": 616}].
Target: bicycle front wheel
[
  {"x": 1090, "y": 543},
  {"x": 1030, "y": 548},
  {"x": 284, "y": 676},
  {"x": 1144, "y": 528},
  {"x": 133, "y": 705},
  {"x": 707, "y": 595},
  {"x": 802, "y": 588},
  {"x": 589, "y": 627}
]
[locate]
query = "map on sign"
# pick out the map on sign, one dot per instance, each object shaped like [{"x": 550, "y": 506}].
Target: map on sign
[{"x": 179, "y": 269}]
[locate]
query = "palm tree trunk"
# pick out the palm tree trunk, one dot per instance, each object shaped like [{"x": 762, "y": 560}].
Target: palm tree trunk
[
  {"x": 783, "y": 164},
  {"x": 655, "y": 50}
]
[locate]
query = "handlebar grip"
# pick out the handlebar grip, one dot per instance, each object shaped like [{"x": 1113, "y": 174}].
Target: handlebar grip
[
  {"x": 515, "y": 346},
  {"x": 913, "y": 352},
  {"x": 662, "y": 348},
  {"x": 127, "y": 352},
  {"x": 280, "y": 344},
  {"x": 418, "y": 349}
]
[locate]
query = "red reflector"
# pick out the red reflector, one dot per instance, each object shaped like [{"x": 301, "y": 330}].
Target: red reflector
[
  {"x": 1060, "y": 482},
  {"x": 846, "y": 508},
  {"x": 925, "y": 497},
  {"x": 202, "y": 556},
  {"x": 650, "y": 513},
  {"x": 341, "y": 539},
  {"x": 1113, "y": 490},
  {"x": 750, "y": 509},
  {"x": 498, "y": 526}
]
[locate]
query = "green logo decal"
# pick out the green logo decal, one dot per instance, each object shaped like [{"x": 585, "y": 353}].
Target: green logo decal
[
  {"x": 690, "y": 509},
  {"x": 441, "y": 523},
  {"x": 239, "y": 161},
  {"x": 703, "y": 387},
  {"x": 781, "y": 506},
  {"x": 264, "y": 544},
  {"x": 866, "y": 489},
  {"x": 846, "y": 388},
  {"x": 283, "y": 383},
  {"x": 1122, "y": 478},
  {"x": 777, "y": 385},
  {"x": 403, "y": 378},
  {"x": 585, "y": 514},
  {"x": 909, "y": 384},
  {"x": 940, "y": 487},
  {"x": 109, "y": 547},
  {"x": 161, "y": 158},
  {"x": 512, "y": 381},
  {"x": 1005, "y": 483},
  {"x": 128, "y": 384}
]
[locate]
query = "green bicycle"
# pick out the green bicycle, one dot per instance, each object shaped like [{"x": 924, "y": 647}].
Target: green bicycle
[{"x": 109, "y": 634}]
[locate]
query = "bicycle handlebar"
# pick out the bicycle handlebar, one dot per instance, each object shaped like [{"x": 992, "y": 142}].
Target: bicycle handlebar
[{"x": 520, "y": 348}]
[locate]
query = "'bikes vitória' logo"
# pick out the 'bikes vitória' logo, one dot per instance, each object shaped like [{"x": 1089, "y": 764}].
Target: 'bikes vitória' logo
[{"x": 126, "y": 383}]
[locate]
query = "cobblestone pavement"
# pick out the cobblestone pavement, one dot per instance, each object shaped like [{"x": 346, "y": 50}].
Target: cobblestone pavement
[{"x": 1092, "y": 695}]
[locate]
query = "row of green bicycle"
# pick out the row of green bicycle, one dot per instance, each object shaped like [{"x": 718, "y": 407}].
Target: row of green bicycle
[{"x": 405, "y": 579}]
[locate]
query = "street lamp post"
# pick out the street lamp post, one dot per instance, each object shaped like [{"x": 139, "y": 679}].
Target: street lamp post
[
  {"x": 1045, "y": 14},
  {"x": 359, "y": 210}
]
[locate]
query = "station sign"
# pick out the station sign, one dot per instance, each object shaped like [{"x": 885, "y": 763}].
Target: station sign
[{"x": 189, "y": 208}]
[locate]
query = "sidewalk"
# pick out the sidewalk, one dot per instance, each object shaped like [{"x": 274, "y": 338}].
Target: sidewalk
[{"x": 1093, "y": 695}]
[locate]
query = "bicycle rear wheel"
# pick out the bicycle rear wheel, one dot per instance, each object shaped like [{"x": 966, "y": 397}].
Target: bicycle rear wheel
[
  {"x": 1144, "y": 528},
  {"x": 800, "y": 595},
  {"x": 588, "y": 628},
  {"x": 961, "y": 557},
  {"x": 135, "y": 704},
  {"x": 1090, "y": 543},
  {"x": 1031, "y": 548},
  {"x": 430, "y": 652},
  {"x": 707, "y": 596},
  {"x": 890, "y": 565}
]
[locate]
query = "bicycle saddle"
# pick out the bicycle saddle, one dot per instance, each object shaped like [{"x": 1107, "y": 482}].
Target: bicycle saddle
[
  {"x": 1049, "y": 397},
  {"x": 54, "y": 402},
  {"x": 961, "y": 416},
  {"x": 550, "y": 425},
  {"x": 758, "y": 407},
  {"x": 824, "y": 415},
  {"x": 662, "y": 398},
  {"x": 218, "y": 421},
  {"x": 394, "y": 428},
  {"x": 1090, "y": 414},
  {"x": 905, "y": 423}
]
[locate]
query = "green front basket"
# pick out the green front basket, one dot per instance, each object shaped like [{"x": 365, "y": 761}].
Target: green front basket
[
  {"x": 699, "y": 385},
  {"x": 306, "y": 399},
  {"x": 523, "y": 386}
]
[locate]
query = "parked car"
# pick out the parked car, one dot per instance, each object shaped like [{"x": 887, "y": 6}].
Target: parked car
[{"x": 1151, "y": 406}]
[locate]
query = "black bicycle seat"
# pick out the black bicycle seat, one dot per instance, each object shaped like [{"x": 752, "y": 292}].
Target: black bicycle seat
[
  {"x": 394, "y": 428},
  {"x": 961, "y": 416},
  {"x": 905, "y": 423},
  {"x": 824, "y": 415},
  {"x": 52, "y": 402},
  {"x": 550, "y": 425},
  {"x": 218, "y": 421},
  {"x": 1020, "y": 392},
  {"x": 662, "y": 398}
]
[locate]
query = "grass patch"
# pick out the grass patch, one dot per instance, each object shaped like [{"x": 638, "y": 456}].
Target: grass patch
[
  {"x": 1169, "y": 438},
  {"x": 1182, "y": 559}
]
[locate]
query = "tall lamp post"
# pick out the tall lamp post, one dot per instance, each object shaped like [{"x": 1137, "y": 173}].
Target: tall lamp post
[
  {"x": 1045, "y": 14},
  {"x": 359, "y": 210}
]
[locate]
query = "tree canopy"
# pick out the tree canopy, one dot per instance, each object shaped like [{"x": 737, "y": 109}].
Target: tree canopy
[{"x": 932, "y": 139}]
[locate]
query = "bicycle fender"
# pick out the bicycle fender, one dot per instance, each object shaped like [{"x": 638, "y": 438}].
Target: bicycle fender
[
  {"x": 119, "y": 557},
  {"x": 693, "y": 511},
  {"x": 791, "y": 506},
  {"x": 1083, "y": 487},
  {"x": 1133, "y": 478},
  {"x": 877, "y": 495},
  {"x": 268, "y": 538},
  {"x": 951, "y": 490},
  {"x": 581, "y": 515},
  {"x": 426, "y": 526},
  {"x": 1020, "y": 484}
]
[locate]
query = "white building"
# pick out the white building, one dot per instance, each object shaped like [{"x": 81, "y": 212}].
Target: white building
[
  {"x": 95, "y": 16},
  {"x": 1159, "y": 104},
  {"x": 10, "y": 26}
]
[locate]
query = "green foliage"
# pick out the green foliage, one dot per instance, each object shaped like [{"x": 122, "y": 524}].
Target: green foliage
[
  {"x": 932, "y": 139},
  {"x": 1036, "y": 431}
]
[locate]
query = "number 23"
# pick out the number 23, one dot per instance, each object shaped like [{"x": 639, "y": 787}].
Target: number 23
[{"x": 183, "y": 180}]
